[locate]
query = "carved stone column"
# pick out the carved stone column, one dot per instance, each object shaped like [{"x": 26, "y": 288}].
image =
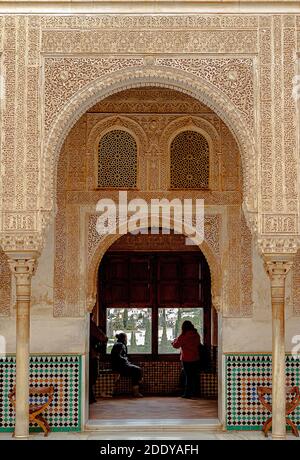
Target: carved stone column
[
  {"x": 23, "y": 267},
  {"x": 277, "y": 269}
]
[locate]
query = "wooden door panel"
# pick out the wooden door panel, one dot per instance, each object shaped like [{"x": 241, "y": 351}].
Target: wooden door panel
[
  {"x": 172, "y": 280},
  {"x": 169, "y": 294},
  {"x": 117, "y": 295},
  {"x": 190, "y": 295},
  {"x": 190, "y": 270},
  {"x": 140, "y": 294},
  {"x": 140, "y": 269},
  {"x": 116, "y": 269},
  {"x": 168, "y": 269}
]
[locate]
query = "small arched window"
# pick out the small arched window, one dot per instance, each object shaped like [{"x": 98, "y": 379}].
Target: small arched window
[
  {"x": 117, "y": 160},
  {"x": 189, "y": 161}
]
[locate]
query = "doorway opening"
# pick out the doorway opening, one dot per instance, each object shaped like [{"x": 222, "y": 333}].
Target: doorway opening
[{"x": 147, "y": 286}]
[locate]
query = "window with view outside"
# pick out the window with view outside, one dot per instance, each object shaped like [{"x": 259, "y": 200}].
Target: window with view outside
[
  {"x": 169, "y": 325},
  {"x": 135, "y": 322}
]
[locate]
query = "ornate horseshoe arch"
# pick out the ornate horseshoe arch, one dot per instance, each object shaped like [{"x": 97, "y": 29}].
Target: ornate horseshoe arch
[
  {"x": 106, "y": 242},
  {"x": 175, "y": 79}
]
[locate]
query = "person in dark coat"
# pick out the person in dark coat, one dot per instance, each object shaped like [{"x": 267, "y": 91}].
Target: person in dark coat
[
  {"x": 189, "y": 342},
  {"x": 121, "y": 364},
  {"x": 97, "y": 337}
]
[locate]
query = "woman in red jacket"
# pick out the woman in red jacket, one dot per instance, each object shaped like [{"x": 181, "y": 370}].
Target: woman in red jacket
[{"x": 189, "y": 342}]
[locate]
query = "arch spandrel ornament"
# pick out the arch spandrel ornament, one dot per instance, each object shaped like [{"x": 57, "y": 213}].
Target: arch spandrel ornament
[{"x": 178, "y": 80}]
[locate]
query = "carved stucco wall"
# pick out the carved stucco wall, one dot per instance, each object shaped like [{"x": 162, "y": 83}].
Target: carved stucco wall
[
  {"x": 241, "y": 66},
  {"x": 5, "y": 286},
  {"x": 58, "y": 66},
  {"x": 296, "y": 285},
  {"x": 153, "y": 116}
]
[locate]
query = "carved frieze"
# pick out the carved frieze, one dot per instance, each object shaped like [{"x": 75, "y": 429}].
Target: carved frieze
[
  {"x": 285, "y": 224},
  {"x": 277, "y": 244},
  {"x": 126, "y": 22},
  {"x": 5, "y": 285},
  {"x": 148, "y": 41},
  {"x": 212, "y": 230},
  {"x": 16, "y": 221},
  {"x": 17, "y": 241}
]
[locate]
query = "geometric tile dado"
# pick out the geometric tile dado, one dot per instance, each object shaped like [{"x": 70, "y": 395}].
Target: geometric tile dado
[
  {"x": 244, "y": 373},
  {"x": 61, "y": 371}
]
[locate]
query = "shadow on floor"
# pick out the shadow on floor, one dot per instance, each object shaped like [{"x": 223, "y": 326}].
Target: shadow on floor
[{"x": 153, "y": 407}]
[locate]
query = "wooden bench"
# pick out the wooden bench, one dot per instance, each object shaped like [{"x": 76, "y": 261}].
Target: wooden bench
[
  {"x": 36, "y": 409},
  {"x": 294, "y": 393}
]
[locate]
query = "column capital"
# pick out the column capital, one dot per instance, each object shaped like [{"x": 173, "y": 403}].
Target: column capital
[
  {"x": 23, "y": 264},
  {"x": 277, "y": 266}
]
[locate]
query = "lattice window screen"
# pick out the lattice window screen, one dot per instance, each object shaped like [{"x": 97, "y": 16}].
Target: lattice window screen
[
  {"x": 117, "y": 160},
  {"x": 189, "y": 161}
]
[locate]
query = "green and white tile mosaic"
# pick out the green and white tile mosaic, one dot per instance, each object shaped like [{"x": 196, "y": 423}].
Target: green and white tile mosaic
[
  {"x": 244, "y": 373},
  {"x": 61, "y": 371}
]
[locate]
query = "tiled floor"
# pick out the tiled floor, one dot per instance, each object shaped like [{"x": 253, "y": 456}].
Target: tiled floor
[
  {"x": 153, "y": 418},
  {"x": 153, "y": 407}
]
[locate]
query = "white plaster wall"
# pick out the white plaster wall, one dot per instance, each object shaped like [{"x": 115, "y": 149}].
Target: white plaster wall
[
  {"x": 149, "y": 7},
  {"x": 49, "y": 335},
  {"x": 255, "y": 334},
  {"x": 43, "y": 280}
]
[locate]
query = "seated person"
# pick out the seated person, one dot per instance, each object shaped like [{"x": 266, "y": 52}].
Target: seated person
[{"x": 121, "y": 364}]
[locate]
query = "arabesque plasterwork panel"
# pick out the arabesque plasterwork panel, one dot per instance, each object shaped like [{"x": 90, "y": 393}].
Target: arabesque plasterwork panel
[
  {"x": 251, "y": 64},
  {"x": 158, "y": 41},
  {"x": 296, "y": 285},
  {"x": 64, "y": 77},
  {"x": 77, "y": 241},
  {"x": 124, "y": 22},
  {"x": 235, "y": 77},
  {"x": 143, "y": 78},
  {"x": 5, "y": 285}
]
